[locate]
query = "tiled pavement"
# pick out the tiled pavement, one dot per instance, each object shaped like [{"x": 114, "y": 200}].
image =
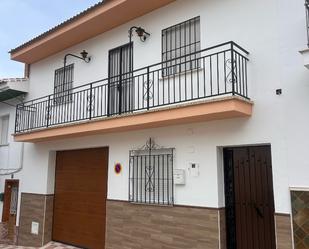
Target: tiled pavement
[{"x": 51, "y": 245}]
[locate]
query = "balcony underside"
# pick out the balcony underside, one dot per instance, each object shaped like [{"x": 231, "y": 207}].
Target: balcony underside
[
  {"x": 10, "y": 89},
  {"x": 9, "y": 94},
  {"x": 221, "y": 108}
]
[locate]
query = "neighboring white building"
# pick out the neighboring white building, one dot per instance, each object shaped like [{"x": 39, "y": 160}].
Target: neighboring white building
[
  {"x": 12, "y": 92},
  {"x": 201, "y": 120}
]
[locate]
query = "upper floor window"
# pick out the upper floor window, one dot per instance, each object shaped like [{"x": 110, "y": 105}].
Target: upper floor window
[
  {"x": 181, "y": 44},
  {"x": 63, "y": 84},
  {"x": 4, "y": 130}
]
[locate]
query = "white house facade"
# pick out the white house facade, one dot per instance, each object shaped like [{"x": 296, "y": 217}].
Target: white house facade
[{"x": 172, "y": 124}]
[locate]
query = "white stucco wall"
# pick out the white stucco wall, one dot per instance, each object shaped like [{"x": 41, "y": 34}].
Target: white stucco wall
[
  {"x": 260, "y": 26},
  {"x": 295, "y": 83},
  {"x": 193, "y": 143}
]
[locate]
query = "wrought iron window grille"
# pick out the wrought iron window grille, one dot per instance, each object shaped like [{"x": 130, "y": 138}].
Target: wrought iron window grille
[
  {"x": 183, "y": 39},
  {"x": 14, "y": 199},
  {"x": 151, "y": 175},
  {"x": 63, "y": 84}
]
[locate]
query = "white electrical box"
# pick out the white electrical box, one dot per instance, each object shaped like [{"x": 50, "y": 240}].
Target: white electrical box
[
  {"x": 194, "y": 169},
  {"x": 35, "y": 228},
  {"x": 179, "y": 177}
]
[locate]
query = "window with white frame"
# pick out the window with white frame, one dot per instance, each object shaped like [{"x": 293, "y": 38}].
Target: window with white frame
[
  {"x": 63, "y": 84},
  {"x": 181, "y": 44},
  {"x": 4, "y": 130},
  {"x": 151, "y": 175}
]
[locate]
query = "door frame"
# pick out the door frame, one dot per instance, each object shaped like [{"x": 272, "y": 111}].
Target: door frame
[
  {"x": 131, "y": 63},
  {"x": 6, "y": 201},
  {"x": 231, "y": 224}
]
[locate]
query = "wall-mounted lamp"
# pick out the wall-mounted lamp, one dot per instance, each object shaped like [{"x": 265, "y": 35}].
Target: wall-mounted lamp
[
  {"x": 141, "y": 33},
  {"x": 84, "y": 56}
]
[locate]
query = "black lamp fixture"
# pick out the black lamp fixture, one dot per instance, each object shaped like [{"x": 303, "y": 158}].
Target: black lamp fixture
[
  {"x": 141, "y": 33},
  {"x": 84, "y": 57}
]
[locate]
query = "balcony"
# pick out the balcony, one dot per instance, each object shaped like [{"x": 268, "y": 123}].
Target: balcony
[{"x": 207, "y": 85}]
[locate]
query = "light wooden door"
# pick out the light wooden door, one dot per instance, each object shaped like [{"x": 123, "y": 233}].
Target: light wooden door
[{"x": 80, "y": 198}]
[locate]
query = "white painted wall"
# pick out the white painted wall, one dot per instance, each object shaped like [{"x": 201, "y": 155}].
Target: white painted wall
[
  {"x": 295, "y": 84},
  {"x": 273, "y": 32},
  {"x": 193, "y": 143}
]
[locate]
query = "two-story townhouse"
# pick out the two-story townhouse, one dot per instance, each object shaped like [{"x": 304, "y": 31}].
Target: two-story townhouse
[{"x": 166, "y": 124}]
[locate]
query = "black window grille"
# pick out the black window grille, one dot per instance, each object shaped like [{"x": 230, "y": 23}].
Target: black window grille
[
  {"x": 63, "y": 84},
  {"x": 151, "y": 176},
  {"x": 178, "y": 41}
]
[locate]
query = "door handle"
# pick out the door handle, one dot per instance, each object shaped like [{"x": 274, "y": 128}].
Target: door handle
[{"x": 258, "y": 211}]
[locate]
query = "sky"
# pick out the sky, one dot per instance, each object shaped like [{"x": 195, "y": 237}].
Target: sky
[{"x": 22, "y": 20}]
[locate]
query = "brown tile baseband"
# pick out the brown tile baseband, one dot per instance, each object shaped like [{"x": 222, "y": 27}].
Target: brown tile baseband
[
  {"x": 44, "y": 220},
  {"x": 20, "y": 211},
  {"x": 151, "y": 205}
]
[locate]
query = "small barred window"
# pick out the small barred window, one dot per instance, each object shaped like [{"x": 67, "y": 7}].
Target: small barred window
[
  {"x": 63, "y": 84},
  {"x": 151, "y": 175},
  {"x": 178, "y": 41}
]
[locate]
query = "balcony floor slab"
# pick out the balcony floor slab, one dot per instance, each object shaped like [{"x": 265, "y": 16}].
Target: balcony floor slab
[{"x": 197, "y": 111}]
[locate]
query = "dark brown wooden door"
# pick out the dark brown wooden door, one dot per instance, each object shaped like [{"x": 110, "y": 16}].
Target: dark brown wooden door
[
  {"x": 10, "y": 195},
  {"x": 9, "y": 212},
  {"x": 249, "y": 198},
  {"x": 80, "y": 198}
]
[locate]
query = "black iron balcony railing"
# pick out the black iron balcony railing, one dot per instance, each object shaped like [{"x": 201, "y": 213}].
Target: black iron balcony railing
[
  {"x": 307, "y": 20},
  {"x": 216, "y": 71}
]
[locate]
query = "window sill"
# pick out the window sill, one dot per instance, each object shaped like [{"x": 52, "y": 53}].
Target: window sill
[
  {"x": 61, "y": 104},
  {"x": 189, "y": 71}
]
